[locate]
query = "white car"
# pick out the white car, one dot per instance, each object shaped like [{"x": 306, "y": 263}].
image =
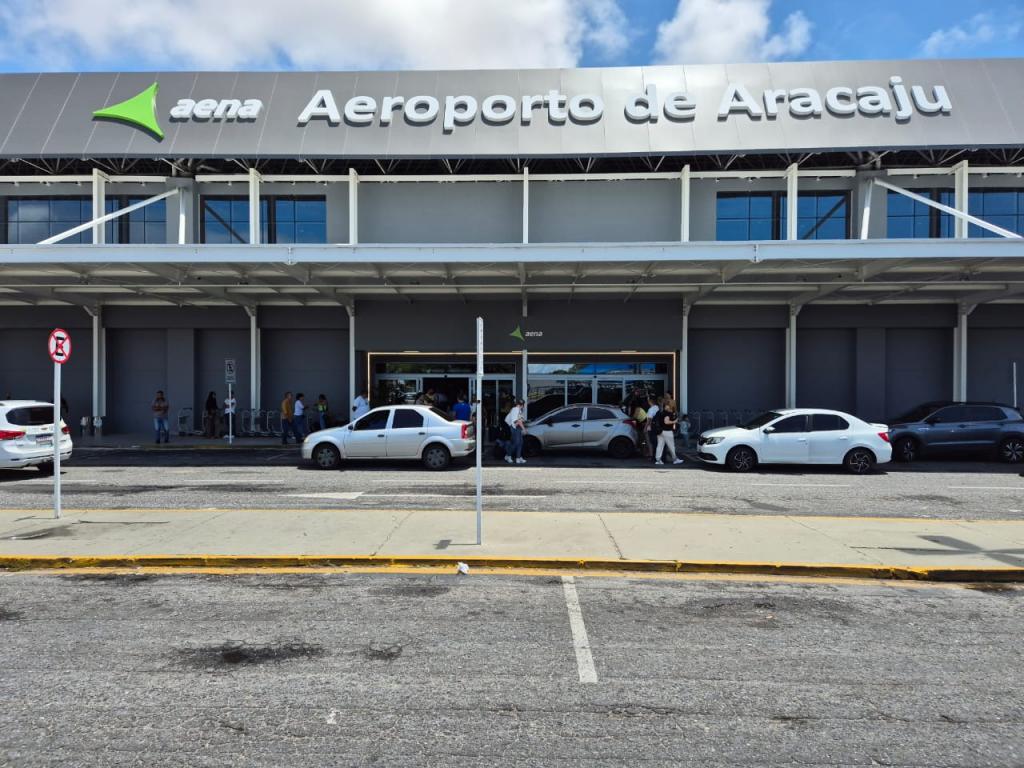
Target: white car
[
  {"x": 798, "y": 436},
  {"x": 26, "y": 435},
  {"x": 394, "y": 432}
]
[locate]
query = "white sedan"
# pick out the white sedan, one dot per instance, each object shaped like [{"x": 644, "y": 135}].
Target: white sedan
[
  {"x": 393, "y": 432},
  {"x": 798, "y": 436},
  {"x": 26, "y": 435}
]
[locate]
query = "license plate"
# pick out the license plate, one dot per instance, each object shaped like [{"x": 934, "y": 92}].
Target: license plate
[{"x": 44, "y": 440}]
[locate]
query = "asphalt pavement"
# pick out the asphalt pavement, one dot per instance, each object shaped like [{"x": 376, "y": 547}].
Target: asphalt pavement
[
  {"x": 272, "y": 478},
  {"x": 153, "y": 669}
]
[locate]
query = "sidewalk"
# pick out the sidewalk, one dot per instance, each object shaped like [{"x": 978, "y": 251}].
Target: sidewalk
[
  {"x": 862, "y": 547},
  {"x": 145, "y": 442}
]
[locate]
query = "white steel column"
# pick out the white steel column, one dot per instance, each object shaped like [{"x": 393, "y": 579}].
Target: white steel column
[
  {"x": 352, "y": 393},
  {"x": 254, "y": 206},
  {"x": 526, "y": 382},
  {"x": 684, "y": 355},
  {"x": 353, "y": 215},
  {"x": 791, "y": 358},
  {"x": 99, "y": 204},
  {"x": 792, "y": 178},
  {"x": 865, "y": 210},
  {"x": 526, "y": 205},
  {"x": 684, "y": 207},
  {"x": 960, "y": 354},
  {"x": 960, "y": 189},
  {"x": 97, "y": 360},
  {"x": 254, "y": 359}
]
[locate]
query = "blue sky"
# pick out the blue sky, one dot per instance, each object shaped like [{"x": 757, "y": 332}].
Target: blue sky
[{"x": 161, "y": 35}]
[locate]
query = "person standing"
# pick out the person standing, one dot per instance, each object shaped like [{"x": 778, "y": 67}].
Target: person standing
[
  {"x": 684, "y": 430},
  {"x": 640, "y": 419},
  {"x": 160, "y": 410},
  {"x": 210, "y": 410},
  {"x": 288, "y": 419},
  {"x": 462, "y": 410},
  {"x": 654, "y": 406},
  {"x": 300, "y": 417},
  {"x": 666, "y": 427},
  {"x": 516, "y": 420},
  {"x": 322, "y": 410},
  {"x": 361, "y": 405}
]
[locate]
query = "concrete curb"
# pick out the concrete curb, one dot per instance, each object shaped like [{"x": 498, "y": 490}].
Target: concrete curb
[{"x": 823, "y": 570}]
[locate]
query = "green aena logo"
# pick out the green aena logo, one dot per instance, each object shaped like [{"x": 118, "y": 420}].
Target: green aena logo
[{"x": 140, "y": 111}]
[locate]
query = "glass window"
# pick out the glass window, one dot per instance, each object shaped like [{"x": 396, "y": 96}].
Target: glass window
[
  {"x": 579, "y": 392},
  {"x": 32, "y": 219},
  {"x": 820, "y": 215},
  {"x": 791, "y": 425},
  {"x": 146, "y": 225},
  {"x": 744, "y": 216},
  {"x": 545, "y": 395},
  {"x": 762, "y": 216},
  {"x": 226, "y": 220},
  {"x": 761, "y": 420},
  {"x": 828, "y": 422},
  {"x": 1002, "y": 207},
  {"x": 407, "y": 418},
  {"x": 373, "y": 420},
  {"x": 951, "y": 414},
  {"x": 568, "y": 415},
  {"x": 609, "y": 392},
  {"x": 602, "y": 414},
  {"x": 985, "y": 413},
  {"x": 442, "y": 415},
  {"x": 35, "y": 416}
]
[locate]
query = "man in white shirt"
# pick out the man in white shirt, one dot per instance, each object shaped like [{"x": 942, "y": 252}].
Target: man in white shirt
[
  {"x": 361, "y": 405},
  {"x": 516, "y": 420},
  {"x": 300, "y": 416},
  {"x": 229, "y": 414}
]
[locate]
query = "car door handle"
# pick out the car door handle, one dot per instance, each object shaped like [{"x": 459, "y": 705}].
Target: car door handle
[
  {"x": 801, "y": 439},
  {"x": 607, "y": 425},
  {"x": 575, "y": 426},
  {"x": 380, "y": 435},
  {"x": 421, "y": 433}
]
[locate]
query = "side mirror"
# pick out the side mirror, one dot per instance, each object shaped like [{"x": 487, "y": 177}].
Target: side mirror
[
  {"x": 351, "y": 427},
  {"x": 768, "y": 430}
]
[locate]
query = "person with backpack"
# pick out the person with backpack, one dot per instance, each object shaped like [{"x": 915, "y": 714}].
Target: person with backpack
[
  {"x": 516, "y": 420},
  {"x": 322, "y": 409},
  {"x": 665, "y": 427}
]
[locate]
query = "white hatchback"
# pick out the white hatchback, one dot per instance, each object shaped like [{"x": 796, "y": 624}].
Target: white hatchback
[
  {"x": 26, "y": 435},
  {"x": 394, "y": 432},
  {"x": 798, "y": 436}
]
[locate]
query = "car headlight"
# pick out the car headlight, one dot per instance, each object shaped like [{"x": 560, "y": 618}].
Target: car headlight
[{"x": 713, "y": 440}]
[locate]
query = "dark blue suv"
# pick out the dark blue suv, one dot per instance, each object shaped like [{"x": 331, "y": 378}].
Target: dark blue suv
[{"x": 948, "y": 427}]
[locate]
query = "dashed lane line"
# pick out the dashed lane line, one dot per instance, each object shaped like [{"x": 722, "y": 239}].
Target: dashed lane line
[{"x": 580, "y": 641}]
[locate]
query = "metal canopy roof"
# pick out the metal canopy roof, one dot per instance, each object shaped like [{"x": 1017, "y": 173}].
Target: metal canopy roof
[{"x": 872, "y": 272}]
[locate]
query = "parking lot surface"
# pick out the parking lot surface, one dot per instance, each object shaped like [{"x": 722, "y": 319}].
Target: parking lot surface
[
  {"x": 144, "y": 669},
  {"x": 273, "y": 479}
]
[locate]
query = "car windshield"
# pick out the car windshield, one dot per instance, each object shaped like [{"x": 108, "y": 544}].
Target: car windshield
[
  {"x": 917, "y": 414},
  {"x": 760, "y": 421},
  {"x": 441, "y": 414}
]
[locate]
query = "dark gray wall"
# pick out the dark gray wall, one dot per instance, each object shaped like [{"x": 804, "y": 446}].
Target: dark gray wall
[
  {"x": 737, "y": 369},
  {"x": 604, "y": 211},
  {"x": 918, "y": 367},
  {"x": 27, "y": 372},
  {"x": 212, "y": 346},
  {"x": 136, "y": 369},
  {"x": 308, "y": 361},
  {"x": 991, "y": 353},
  {"x": 826, "y": 362},
  {"x": 441, "y": 213}
]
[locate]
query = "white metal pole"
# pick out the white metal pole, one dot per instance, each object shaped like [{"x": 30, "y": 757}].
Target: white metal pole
[
  {"x": 684, "y": 372},
  {"x": 684, "y": 205},
  {"x": 526, "y": 204},
  {"x": 56, "y": 441},
  {"x": 353, "y": 207},
  {"x": 254, "y": 362},
  {"x": 479, "y": 431},
  {"x": 96, "y": 356},
  {"x": 792, "y": 176},
  {"x": 524, "y": 393},
  {"x": 231, "y": 416},
  {"x": 960, "y": 196},
  {"x": 962, "y": 373},
  {"x": 352, "y": 357},
  {"x": 99, "y": 204},
  {"x": 254, "y": 206},
  {"x": 865, "y": 211}
]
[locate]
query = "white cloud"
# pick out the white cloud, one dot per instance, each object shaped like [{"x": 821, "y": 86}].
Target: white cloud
[
  {"x": 729, "y": 31},
  {"x": 308, "y": 34},
  {"x": 974, "y": 33}
]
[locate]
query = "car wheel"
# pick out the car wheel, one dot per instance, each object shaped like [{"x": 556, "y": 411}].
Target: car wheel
[
  {"x": 1011, "y": 450},
  {"x": 907, "y": 449},
  {"x": 621, "y": 448},
  {"x": 326, "y": 456},
  {"x": 859, "y": 461},
  {"x": 46, "y": 468},
  {"x": 741, "y": 459},
  {"x": 531, "y": 447},
  {"x": 436, "y": 457}
]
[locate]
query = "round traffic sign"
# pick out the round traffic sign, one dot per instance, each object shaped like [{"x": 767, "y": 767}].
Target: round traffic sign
[{"x": 60, "y": 346}]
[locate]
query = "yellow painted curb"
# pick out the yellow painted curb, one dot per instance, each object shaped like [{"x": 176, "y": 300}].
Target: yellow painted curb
[{"x": 891, "y": 572}]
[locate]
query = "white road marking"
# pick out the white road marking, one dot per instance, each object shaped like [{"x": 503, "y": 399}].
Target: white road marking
[
  {"x": 604, "y": 482},
  {"x": 986, "y": 488},
  {"x": 580, "y": 642},
  {"x": 337, "y": 495},
  {"x": 799, "y": 485},
  {"x": 447, "y": 496}
]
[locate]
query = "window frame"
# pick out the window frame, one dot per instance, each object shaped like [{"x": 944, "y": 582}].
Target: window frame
[
  {"x": 791, "y": 417},
  {"x": 778, "y": 222},
  {"x": 387, "y": 421},
  {"x": 403, "y": 411},
  {"x": 270, "y": 217}
]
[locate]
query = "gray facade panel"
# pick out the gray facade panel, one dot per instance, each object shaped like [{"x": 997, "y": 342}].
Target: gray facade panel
[
  {"x": 991, "y": 353},
  {"x": 28, "y": 372},
  {"x": 604, "y": 211},
  {"x": 440, "y": 213},
  {"x": 136, "y": 369},
  {"x": 918, "y": 367},
  {"x": 826, "y": 361},
  {"x": 737, "y": 370},
  {"x": 212, "y": 347},
  {"x": 307, "y": 361}
]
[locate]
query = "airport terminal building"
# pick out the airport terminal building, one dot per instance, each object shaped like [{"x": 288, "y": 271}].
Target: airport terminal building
[{"x": 830, "y": 234}]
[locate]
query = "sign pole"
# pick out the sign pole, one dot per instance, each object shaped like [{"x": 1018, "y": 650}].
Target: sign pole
[
  {"x": 231, "y": 417},
  {"x": 56, "y": 440},
  {"x": 229, "y": 379},
  {"x": 479, "y": 430}
]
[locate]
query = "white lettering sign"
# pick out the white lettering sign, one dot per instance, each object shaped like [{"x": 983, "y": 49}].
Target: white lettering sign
[{"x": 216, "y": 109}]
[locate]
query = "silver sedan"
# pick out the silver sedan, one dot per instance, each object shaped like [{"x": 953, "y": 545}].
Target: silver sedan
[
  {"x": 393, "y": 432},
  {"x": 582, "y": 426}
]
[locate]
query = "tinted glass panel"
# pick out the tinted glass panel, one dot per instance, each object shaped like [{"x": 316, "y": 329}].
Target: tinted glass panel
[
  {"x": 31, "y": 417},
  {"x": 406, "y": 418},
  {"x": 760, "y": 421},
  {"x": 441, "y": 414},
  {"x": 599, "y": 413},
  {"x": 570, "y": 414},
  {"x": 953, "y": 413},
  {"x": 985, "y": 413},
  {"x": 827, "y": 422},
  {"x": 375, "y": 420},
  {"x": 791, "y": 425}
]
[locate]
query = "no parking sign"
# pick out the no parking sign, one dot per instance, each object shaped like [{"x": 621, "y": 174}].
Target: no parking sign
[{"x": 59, "y": 346}]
